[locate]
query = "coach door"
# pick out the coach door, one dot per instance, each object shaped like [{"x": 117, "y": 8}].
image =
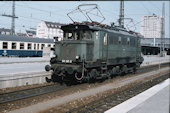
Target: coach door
[{"x": 105, "y": 47}]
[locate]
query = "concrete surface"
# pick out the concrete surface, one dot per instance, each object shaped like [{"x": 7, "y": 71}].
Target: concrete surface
[
  {"x": 153, "y": 100},
  {"x": 8, "y": 69},
  {"x": 21, "y": 79},
  {"x": 5, "y": 60},
  {"x": 151, "y": 60}
]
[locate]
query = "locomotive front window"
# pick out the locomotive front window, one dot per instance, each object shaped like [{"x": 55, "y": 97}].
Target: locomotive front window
[
  {"x": 78, "y": 35},
  {"x": 87, "y": 35}
]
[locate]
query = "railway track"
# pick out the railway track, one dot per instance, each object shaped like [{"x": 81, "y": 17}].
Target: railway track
[
  {"x": 36, "y": 91},
  {"x": 29, "y": 92},
  {"x": 105, "y": 103}
]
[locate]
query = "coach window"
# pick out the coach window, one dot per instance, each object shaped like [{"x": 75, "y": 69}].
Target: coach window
[
  {"x": 5, "y": 45},
  {"x": 42, "y": 46},
  {"x": 34, "y": 46},
  {"x": 38, "y": 46},
  {"x": 21, "y": 45},
  {"x": 29, "y": 46},
  {"x": 49, "y": 45},
  {"x": 14, "y": 45}
]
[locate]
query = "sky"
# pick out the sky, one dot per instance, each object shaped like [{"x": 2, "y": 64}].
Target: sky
[{"x": 30, "y": 13}]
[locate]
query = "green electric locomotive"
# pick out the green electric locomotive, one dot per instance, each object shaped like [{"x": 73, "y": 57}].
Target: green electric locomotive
[{"x": 90, "y": 52}]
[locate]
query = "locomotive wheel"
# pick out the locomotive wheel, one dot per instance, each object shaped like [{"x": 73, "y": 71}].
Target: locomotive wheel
[
  {"x": 118, "y": 70},
  {"x": 113, "y": 72},
  {"x": 92, "y": 75},
  {"x": 55, "y": 78},
  {"x": 134, "y": 70},
  {"x": 125, "y": 69},
  {"x": 78, "y": 76}
]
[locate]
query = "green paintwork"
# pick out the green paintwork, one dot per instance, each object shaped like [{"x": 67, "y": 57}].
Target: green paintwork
[{"x": 94, "y": 49}]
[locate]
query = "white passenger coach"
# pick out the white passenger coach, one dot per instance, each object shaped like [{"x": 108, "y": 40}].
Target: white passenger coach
[{"x": 12, "y": 45}]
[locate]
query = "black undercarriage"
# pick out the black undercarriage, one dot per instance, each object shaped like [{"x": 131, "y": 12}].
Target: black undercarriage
[{"x": 89, "y": 71}]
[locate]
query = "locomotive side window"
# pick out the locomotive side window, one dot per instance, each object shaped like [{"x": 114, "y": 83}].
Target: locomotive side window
[
  {"x": 5, "y": 45},
  {"x": 128, "y": 41},
  {"x": 21, "y": 45},
  {"x": 120, "y": 40},
  {"x": 14, "y": 45},
  {"x": 105, "y": 39}
]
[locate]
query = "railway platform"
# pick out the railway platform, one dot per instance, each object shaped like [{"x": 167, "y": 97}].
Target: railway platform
[
  {"x": 27, "y": 71},
  {"x": 153, "y": 100}
]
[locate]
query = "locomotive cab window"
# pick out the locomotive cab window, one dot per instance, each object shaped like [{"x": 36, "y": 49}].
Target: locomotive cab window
[
  {"x": 78, "y": 35},
  {"x": 87, "y": 35}
]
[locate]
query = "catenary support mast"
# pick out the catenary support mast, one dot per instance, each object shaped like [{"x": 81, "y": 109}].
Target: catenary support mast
[
  {"x": 13, "y": 18},
  {"x": 121, "y": 16}
]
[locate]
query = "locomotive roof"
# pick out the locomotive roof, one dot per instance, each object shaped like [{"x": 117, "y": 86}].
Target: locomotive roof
[
  {"x": 24, "y": 39},
  {"x": 96, "y": 27}
]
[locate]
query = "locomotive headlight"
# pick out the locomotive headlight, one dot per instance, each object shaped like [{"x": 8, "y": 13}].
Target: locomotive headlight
[{"x": 77, "y": 57}]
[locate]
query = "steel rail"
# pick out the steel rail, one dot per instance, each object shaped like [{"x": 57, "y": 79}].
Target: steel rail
[{"x": 29, "y": 92}]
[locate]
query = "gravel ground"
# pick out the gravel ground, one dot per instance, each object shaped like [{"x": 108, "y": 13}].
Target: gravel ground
[
  {"x": 82, "y": 101},
  {"x": 60, "y": 94}
]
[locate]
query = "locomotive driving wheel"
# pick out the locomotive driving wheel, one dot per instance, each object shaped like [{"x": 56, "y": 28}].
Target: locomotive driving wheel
[
  {"x": 78, "y": 76},
  {"x": 92, "y": 75}
]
